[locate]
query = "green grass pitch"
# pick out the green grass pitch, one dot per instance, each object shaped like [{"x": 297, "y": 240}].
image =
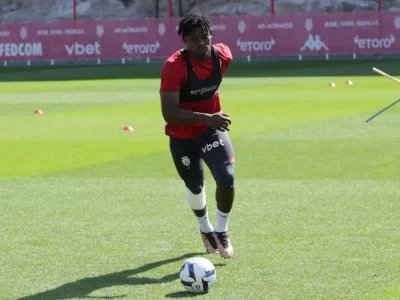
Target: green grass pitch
[{"x": 89, "y": 211}]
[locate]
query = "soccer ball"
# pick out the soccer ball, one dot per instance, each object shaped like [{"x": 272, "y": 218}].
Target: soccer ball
[{"x": 197, "y": 275}]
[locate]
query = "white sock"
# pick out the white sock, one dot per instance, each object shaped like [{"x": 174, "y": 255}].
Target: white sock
[
  {"x": 198, "y": 202},
  {"x": 205, "y": 225},
  {"x": 222, "y": 221}
]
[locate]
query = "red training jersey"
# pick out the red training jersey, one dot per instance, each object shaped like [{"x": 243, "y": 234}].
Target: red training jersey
[{"x": 173, "y": 78}]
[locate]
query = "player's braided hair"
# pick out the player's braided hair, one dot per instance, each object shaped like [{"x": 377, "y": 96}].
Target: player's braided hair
[{"x": 191, "y": 21}]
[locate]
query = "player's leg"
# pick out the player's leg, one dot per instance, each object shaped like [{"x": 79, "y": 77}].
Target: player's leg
[
  {"x": 217, "y": 152},
  {"x": 190, "y": 168}
]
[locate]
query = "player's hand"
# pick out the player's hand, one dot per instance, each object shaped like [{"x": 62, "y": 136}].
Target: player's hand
[{"x": 219, "y": 121}]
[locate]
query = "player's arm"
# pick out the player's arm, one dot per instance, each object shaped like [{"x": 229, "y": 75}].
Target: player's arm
[
  {"x": 173, "y": 76},
  {"x": 173, "y": 114},
  {"x": 171, "y": 80}
]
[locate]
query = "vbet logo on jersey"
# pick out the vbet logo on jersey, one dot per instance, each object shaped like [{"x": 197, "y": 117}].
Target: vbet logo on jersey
[
  {"x": 21, "y": 49},
  {"x": 209, "y": 147}
]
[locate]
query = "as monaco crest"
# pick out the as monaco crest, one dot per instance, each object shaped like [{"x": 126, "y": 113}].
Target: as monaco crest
[
  {"x": 23, "y": 33},
  {"x": 242, "y": 26},
  {"x": 161, "y": 29},
  {"x": 397, "y": 22},
  {"x": 309, "y": 25},
  {"x": 100, "y": 31}
]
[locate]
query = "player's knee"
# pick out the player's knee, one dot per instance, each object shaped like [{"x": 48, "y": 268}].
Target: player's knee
[
  {"x": 194, "y": 187},
  {"x": 226, "y": 177},
  {"x": 226, "y": 181}
]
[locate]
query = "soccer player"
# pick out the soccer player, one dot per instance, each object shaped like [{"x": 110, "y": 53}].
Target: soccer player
[{"x": 197, "y": 128}]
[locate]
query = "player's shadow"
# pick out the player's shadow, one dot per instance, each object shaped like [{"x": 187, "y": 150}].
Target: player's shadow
[
  {"x": 84, "y": 287},
  {"x": 184, "y": 295}
]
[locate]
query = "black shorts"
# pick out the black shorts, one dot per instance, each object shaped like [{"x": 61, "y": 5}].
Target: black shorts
[{"x": 214, "y": 147}]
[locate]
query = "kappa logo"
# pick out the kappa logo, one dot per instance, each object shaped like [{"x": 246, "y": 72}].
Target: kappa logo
[
  {"x": 209, "y": 147},
  {"x": 314, "y": 43},
  {"x": 185, "y": 161}
]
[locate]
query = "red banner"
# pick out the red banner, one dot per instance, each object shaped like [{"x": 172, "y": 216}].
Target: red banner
[{"x": 320, "y": 34}]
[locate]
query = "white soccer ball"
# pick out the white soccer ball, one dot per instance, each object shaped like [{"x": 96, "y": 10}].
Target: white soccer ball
[{"x": 197, "y": 275}]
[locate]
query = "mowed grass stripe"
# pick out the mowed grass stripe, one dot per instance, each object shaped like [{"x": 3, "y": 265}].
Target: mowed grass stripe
[
  {"x": 308, "y": 238},
  {"x": 316, "y": 214},
  {"x": 102, "y": 121}
]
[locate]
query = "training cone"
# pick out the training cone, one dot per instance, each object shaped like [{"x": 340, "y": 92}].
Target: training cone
[
  {"x": 332, "y": 84},
  {"x": 38, "y": 112},
  {"x": 128, "y": 128},
  {"x": 349, "y": 82}
]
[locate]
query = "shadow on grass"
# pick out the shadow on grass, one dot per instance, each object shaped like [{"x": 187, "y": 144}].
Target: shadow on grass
[
  {"x": 84, "y": 287},
  {"x": 184, "y": 295}
]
